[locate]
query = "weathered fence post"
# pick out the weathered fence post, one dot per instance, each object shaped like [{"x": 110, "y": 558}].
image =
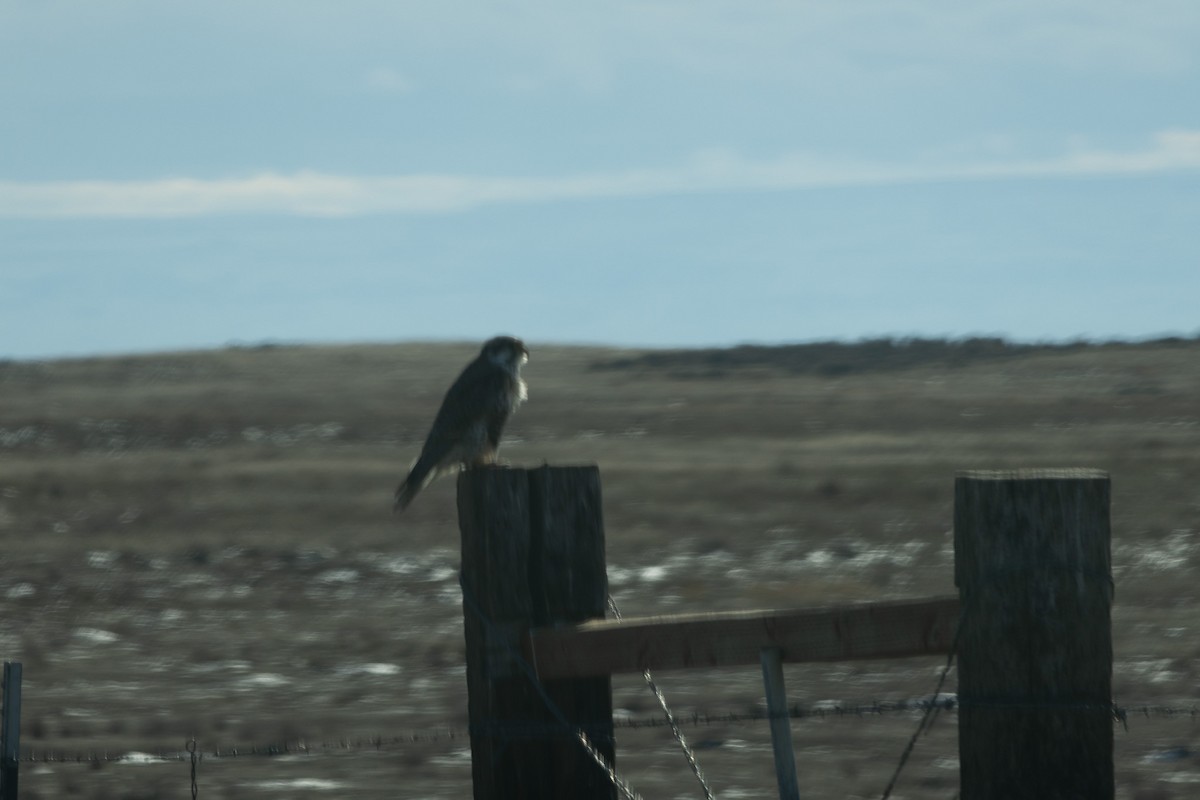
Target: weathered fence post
[
  {"x": 10, "y": 731},
  {"x": 1032, "y": 563},
  {"x": 532, "y": 555}
]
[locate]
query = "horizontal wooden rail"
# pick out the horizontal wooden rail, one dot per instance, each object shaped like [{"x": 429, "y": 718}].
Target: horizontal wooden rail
[{"x": 871, "y": 630}]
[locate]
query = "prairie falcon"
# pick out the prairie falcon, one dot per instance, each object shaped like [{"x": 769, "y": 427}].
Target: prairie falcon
[{"x": 467, "y": 427}]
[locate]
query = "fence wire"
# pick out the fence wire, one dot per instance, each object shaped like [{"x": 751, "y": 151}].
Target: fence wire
[
  {"x": 578, "y": 733},
  {"x": 669, "y": 716},
  {"x": 1127, "y": 715},
  {"x": 931, "y": 710},
  {"x": 194, "y": 755}
]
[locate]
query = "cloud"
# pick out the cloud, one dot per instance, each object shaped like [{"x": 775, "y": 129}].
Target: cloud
[
  {"x": 389, "y": 81},
  {"x": 315, "y": 194}
]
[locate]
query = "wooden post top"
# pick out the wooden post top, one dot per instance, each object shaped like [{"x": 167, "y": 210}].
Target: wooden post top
[{"x": 1052, "y": 473}]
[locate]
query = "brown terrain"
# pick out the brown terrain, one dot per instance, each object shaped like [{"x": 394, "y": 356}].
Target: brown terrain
[{"x": 201, "y": 545}]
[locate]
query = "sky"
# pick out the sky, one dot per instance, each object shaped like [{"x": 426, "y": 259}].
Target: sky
[{"x": 183, "y": 174}]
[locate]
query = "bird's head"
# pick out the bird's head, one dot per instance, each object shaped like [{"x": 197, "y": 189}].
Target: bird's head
[{"x": 506, "y": 351}]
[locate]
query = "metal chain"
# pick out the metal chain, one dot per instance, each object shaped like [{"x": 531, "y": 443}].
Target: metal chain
[
  {"x": 688, "y": 753},
  {"x": 191, "y": 748}
]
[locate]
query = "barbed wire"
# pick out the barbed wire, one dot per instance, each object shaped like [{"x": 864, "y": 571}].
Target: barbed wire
[
  {"x": 931, "y": 709},
  {"x": 669, "y": 715},
  {"x": 578, "y": 733},
  {"x": 191, "y": 749},
  {"x": 1127, "y": 715}
]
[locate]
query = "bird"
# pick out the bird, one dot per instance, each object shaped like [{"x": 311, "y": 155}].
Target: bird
[{"x": 467, "y": 428}]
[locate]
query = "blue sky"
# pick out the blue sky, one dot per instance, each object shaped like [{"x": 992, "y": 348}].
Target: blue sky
[{"x": 190, "y": 174}]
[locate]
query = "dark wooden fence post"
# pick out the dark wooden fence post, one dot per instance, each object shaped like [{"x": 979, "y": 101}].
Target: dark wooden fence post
[
  {"x": 1032, "y": 563},
  {"x": 10, "y": 731},
  {"x": 532, "y": 555}
]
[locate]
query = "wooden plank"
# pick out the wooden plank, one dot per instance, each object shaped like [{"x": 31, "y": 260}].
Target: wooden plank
[
  {"x": 781, "y": 724},
  {"x": 1032, "y": 563},
  {"x": 868, "y": 630}
]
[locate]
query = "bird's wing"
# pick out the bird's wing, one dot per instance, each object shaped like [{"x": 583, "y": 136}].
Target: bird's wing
[{"x": 474, "y": 398}]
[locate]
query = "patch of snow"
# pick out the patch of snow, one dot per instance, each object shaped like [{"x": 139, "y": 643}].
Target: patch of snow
[
  {"x": 453, "y": 759},
  {"x": 264, "y": 680},
  {"x": 136, "y": 758},
  {"x": 438, "y": 574},
  {"x": 101, "y": 559},
  {"x": 96, "y": 636},
  {"x": 369, "y": 669},
  {"x": 1181, "y": 777},
  {"x": 652, "y": 574},
  {"x": 316, "y": 784}
]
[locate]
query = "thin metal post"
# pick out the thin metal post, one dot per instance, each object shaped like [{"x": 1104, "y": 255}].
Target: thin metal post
[
  {"x": 781, "y": 724},
  {"x": 10, "y": 731}
]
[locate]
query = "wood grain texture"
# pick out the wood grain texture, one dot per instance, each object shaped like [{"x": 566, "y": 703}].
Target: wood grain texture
[
  {"x": 894, "y": 629},
  {"x": 532, "y": 550},
  {"x": 1032, "y": 565}
]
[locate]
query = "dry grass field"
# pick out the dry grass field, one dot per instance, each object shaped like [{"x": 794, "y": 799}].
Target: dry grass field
[{"x": 201, "y": 544}]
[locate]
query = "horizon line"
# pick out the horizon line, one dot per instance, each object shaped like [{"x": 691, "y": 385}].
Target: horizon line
[{"x": 1078, "y": 340}]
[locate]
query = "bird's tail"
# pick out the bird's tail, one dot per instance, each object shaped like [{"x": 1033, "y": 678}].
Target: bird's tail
[{"x": 418, "y": 478}]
